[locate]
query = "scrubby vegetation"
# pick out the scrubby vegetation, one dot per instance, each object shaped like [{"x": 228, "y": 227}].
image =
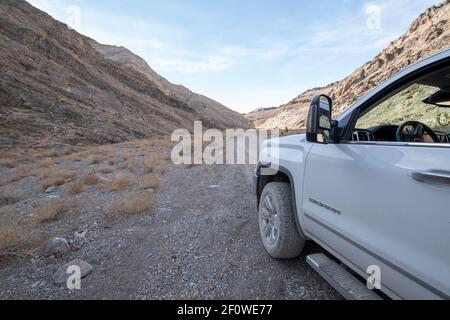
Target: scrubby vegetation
[{"x": 130, "y": 173}]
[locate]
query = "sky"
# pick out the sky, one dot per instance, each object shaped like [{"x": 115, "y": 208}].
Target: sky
[{"x": 246, "y": 54}]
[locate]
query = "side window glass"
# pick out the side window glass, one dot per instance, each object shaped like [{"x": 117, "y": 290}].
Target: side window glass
[
  {"x": 407, "y": 105},
  {"x": 418, "y": 113}
]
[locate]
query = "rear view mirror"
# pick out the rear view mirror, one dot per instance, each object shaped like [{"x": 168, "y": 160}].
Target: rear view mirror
[{"x": 318, "y": 126}]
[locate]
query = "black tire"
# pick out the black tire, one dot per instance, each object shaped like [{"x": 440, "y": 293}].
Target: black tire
[{"x": 283, "y": 241}]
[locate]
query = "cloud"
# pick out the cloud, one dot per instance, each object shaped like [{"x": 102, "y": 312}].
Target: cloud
[
  {"x": 226, "y": 58},
  {"x": 212, "y": 64}
]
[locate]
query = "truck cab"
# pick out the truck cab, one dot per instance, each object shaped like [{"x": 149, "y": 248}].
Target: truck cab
[{"x": 371, "y": 187}]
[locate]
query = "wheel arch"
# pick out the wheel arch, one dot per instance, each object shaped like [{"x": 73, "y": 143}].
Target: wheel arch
[{"x": 283, "y": 175}]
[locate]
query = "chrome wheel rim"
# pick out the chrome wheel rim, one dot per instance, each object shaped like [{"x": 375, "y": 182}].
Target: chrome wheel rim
[{"x": 270, "y": 222}]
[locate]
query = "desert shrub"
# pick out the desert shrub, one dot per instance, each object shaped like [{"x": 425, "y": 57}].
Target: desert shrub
[
  {"x": 49, "y": 154},
  {"x": 10, "y": 195},
  {"x": 94, "y": 159},
  {"x": 21, "y": 172},
  {"x": 76, "y": 187},
  {"x": 48, "y": 212},
  {"x": 46, "y": 162},
  {"x": 90, "y": 178},
  {"x": 150, "y": 163},
  {"x": 11, "y": 237},
  {"x": 76, "y": 157},
  {"x": 151, "y": 182},
  {"x": 131, "y": 164},
  {"x": 119, "y": 182},
  {"x": 58, "y": 177},
  {"x": 163, "y": 168},
  {"x": 135, "y": 203},
  {"x": 9, "y": 163},
  {"x": 106, "y": 170}
]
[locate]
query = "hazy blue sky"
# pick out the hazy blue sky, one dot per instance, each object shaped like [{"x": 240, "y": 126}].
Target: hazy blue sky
[{"x": 244, "y": 53}]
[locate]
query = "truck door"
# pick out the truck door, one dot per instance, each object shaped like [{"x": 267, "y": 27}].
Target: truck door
[{"x": 386, "y": 203}]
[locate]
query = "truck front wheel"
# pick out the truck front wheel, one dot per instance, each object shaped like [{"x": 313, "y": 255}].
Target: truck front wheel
[{"x": 277, "y": 226}]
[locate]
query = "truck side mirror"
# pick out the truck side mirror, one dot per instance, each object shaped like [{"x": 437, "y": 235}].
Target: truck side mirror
[{"x": 318, "y": 127}]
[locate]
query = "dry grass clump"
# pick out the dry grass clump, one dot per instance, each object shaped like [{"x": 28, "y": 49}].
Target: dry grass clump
[
  {"x": 21, "y": 172},
  {"x": 76, "y": 157},
  {"x": 119, "y": 182},
  {"x": 9, "y": 163},
  {"x": 48, "y": 212},
  {"x": 68, "y": 151},
  {"x": 58, "y": 178},
  {"x": 163, "y": 168},
  {"x": 163, "y": 143},
  {"x": 131, "y": 164},
  {"x": 106, "y": 170},
  {"x": 150, "y": 164},
  {"x": 90, "y": 178},
  {"x": 151, "y": 182},
  {"x": 94, "y": 159},
  {"x": 10, "y": 195},
  {"x": 106, "y": 149},
  {"x": 46, "y": 162},
  {"x": 136, "y": 203},
  {"x": 43, "y": 153},
  {"x": 45, "y": 172},
  {"x": 2, "y": 181},
  {"x": 49, "y": 154},
  {"x": 11, "y": 237},
  {"x": 76, "y": 187}
]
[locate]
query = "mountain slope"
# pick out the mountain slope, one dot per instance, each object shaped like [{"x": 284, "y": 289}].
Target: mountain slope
[
  {"x": 56, "y": 87},
  {"x": 217, "y": 113},
  {"x": 428, "y": 34}
]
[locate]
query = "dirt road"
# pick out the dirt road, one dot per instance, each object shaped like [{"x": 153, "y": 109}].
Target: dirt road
[{"x": 200, "y": 241}]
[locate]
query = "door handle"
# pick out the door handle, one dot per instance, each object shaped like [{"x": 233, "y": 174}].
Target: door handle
[{"x": 432, "y": 176}]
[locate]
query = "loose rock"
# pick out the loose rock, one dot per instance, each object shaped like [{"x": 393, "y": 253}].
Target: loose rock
[
  {"x": 57, "y": 247},
  {"x": 51, "y": 189},
  {"x": 61, "y": 274}
]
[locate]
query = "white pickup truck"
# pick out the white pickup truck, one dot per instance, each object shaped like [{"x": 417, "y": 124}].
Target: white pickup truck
[{"x": 372, "y": 188}]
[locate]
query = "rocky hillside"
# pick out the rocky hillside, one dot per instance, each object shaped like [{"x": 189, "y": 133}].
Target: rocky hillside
[
  {"x": 221, "y": 116},
  {"x": 428, "y": 34},
  {"x": 58, "y": 86}
]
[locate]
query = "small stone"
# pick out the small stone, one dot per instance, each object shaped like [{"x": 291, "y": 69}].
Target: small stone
[
  {"x": 51, "y": 189},
  {"x": 57, "y": 247},
  {"x": 80, "y": 234},
  {"x": 163, "y": 210},
  {"x": 61, "y": 274},
  {"x": 214, "y": 186}
]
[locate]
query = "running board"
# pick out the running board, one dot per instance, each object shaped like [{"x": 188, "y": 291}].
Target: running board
[{"x": 340, "y": 279}]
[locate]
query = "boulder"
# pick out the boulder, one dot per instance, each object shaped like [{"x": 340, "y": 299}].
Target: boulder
[
  {"x": 57, "y": 247},
  {"x": 61, "y": 274}
]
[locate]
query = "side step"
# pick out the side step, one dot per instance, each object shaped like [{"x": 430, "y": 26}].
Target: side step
[{"x": 340, "y": 279}]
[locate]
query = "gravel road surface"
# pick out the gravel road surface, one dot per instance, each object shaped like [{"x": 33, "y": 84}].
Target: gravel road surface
[{"x": 200, "y": 241}]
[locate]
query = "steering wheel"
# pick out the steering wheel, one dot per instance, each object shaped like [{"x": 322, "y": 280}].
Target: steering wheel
[{"x": 404, "y": 134}]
